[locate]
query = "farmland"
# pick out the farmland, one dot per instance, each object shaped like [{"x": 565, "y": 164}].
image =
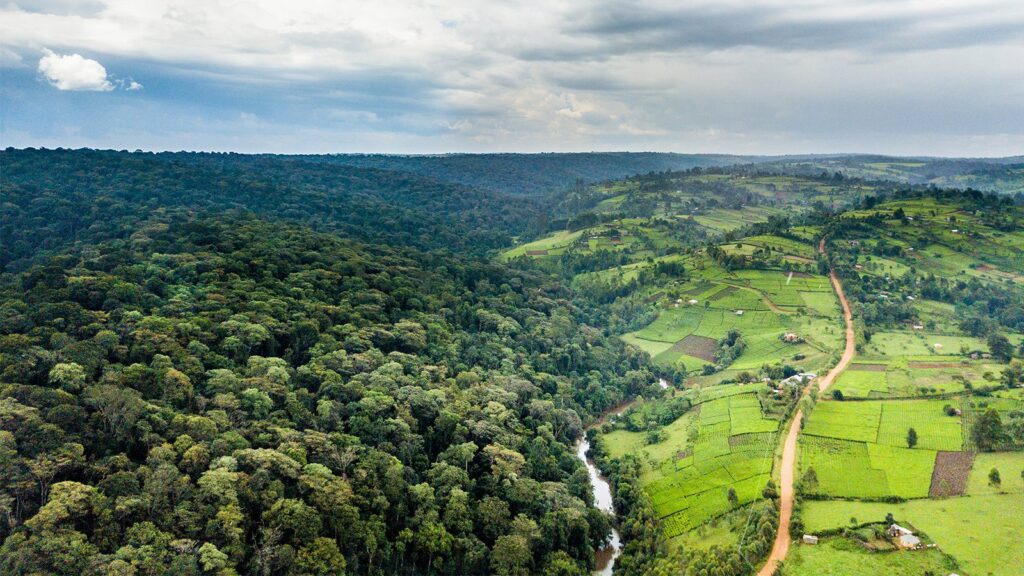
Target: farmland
[
  {"x": 917, "y": 270},
  {"x": 761, "y": 304},
  {"x": 723, "y": 443}
]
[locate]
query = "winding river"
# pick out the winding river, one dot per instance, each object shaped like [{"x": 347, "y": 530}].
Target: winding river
[{"x": 603, "y": 492}]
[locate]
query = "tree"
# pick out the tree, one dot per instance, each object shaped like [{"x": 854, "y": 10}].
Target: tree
[
  {"x": 1013, "y": 375},
  {"x": 994, "y": 479},
  {"x": 1000, "y": 347},
  {"x": 988, "y": 432},
  {"x": 733, "y": 498},
  {"x": 911, "y": 438},
  {"x": 511, "y": 556},
  {"x": 837, "y": 394}
]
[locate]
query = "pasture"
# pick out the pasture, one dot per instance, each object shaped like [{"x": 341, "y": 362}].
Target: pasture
[
  {"x": 838, "y": 556},
  {"x": 981, "y": 532}
]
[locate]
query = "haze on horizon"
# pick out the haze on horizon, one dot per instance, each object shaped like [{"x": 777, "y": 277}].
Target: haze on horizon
[{"x": 907, "y": 77}]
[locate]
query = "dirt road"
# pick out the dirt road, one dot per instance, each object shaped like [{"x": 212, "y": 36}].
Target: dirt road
[{"x": 786, "y": 491}]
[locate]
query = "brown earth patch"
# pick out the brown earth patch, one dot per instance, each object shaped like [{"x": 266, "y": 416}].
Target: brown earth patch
[
  {"x": 868, "y": 367},
  {"x": 949, "y": 477},
  {"x": 698, "y": 347},
  {"x": 929, "y": 365},
  {"x": 536, "y": 252}
]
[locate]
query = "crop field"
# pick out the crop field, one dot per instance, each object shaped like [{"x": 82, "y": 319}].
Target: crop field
[
  {"x": 862, "y": 384},
  {"x": 554, "y": 243},
  {"x": 786, "y": 245},
  {"x": 744, "y": 301},
  {"x": 859, "y": 449},
  {"x": 976, "y": 530},
  {"x": 732, "y": 448},
  {"x": 887, "y": 422},
  {"x": 951, "y": 473},
  {"x": 849, "y": 469}
]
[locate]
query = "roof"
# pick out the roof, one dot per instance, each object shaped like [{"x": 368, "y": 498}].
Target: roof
[
  {"x": 909, "y": 541},
  {"x": 900, "y": 529}
]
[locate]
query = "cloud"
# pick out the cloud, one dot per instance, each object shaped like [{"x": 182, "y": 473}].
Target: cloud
[
  {"x": 74, "y": 72},
  {"x": 709, "y": 75}
]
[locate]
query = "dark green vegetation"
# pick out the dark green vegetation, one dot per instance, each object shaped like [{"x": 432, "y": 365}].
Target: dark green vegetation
[
  {"x": 187, "y": 392},
  {"x": 532, "y": 174},
  {"x": 54, "y": 198},
  {"x": 220, "y": 364}
]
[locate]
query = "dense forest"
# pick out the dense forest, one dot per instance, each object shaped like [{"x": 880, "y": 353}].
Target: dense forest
[
  {"x": 56, "y": 197},
  {"x": 219, "y": 364}
]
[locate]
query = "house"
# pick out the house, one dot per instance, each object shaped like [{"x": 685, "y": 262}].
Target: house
[
  {"x": 739, "y": 312},
  {"x": 918, "y": 327},
  {"x": 903, "y": 537},
  {"x": 810, "y": 539},
  {"x": 692, "y": 302},
  {"x": 791, "y": 338}
]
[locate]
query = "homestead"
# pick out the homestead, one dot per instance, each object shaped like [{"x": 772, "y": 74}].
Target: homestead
[{"x": 903, "y": 537}]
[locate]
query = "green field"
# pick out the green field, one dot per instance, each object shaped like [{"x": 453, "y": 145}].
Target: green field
[
  {"x": 724, "y": 442},
  {"x": 981, "y": 532},
  {"x": 842, "y": 557},
  {"x": 859, "y": 449},
  {"x": 761, "y": 304}
]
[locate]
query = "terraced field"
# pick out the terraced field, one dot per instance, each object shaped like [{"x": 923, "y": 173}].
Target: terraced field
[{"x": 723, "y": 443}]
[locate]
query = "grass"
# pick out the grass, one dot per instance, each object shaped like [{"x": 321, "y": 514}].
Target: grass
[
  {"x": 1010, "y": 466},
  {"x": 893, "y": 344},
  {"x": 842, "y": 557},
  {"x": 981, "y": 532}
]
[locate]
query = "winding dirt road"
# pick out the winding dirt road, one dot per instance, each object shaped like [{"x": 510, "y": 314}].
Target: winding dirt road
[{"x": 786, "y": 491}]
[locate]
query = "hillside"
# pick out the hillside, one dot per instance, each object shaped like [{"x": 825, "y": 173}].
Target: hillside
[{"x": 716, "y": 275}]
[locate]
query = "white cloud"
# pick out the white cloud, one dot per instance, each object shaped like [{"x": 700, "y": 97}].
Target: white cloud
[
  {"x": 711, "y": 75},
  {"x": 74, "y": 72}
]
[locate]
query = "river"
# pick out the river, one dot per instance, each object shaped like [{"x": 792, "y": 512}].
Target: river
[{"x": 603, "y": 492}]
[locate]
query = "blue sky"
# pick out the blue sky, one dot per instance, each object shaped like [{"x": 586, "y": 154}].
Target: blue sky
[{"x": 934, "y": 77}]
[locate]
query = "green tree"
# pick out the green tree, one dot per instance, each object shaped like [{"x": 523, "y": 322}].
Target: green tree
[{"x": 911, "y": 438}]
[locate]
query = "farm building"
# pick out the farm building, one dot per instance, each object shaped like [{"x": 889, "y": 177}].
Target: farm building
[
  {"x": 791, "y": 338},
  {"x": 810, "y": 539},
  {"x": 693, "y": 301},
  {"x": 739, "y": 312}
]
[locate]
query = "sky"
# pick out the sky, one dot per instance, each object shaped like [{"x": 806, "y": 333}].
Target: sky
[{"x": 904, "y": 77}]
